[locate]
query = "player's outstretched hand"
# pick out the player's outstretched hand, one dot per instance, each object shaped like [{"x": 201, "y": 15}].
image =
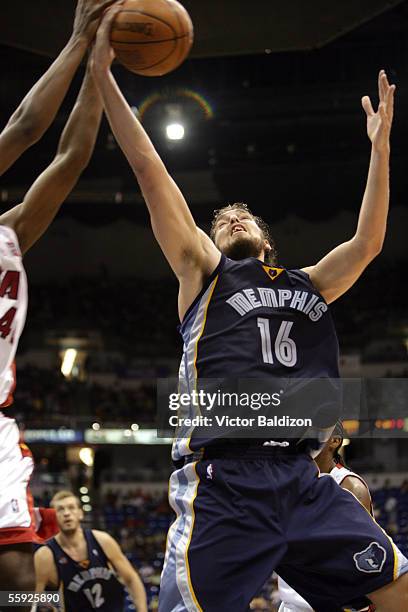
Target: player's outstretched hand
[
  {"x": 87, "y": 17},
  {"x": 379, "y": 123},
  {"x": 103, "y": 54}
]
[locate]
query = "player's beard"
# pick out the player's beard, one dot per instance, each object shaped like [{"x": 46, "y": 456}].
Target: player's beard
[
  {"x": 243, "y": 246},
  {"x": 69, "y": 531}
]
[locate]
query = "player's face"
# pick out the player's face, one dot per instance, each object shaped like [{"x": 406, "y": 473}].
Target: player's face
[
  {"x": 238, "y": 236},
  {"x": 69, "y": 514}
]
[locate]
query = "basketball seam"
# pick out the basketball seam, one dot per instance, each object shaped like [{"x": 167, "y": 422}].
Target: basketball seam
[
  {"x": 155, "y": 64},
  {"x": 175, "y": 12},
  {"x": 148, "y": 42},
  {"x": 139, "y": 70},
  {"x": 148, "y": 15}
]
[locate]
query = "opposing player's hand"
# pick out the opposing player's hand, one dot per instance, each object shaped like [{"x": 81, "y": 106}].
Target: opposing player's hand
[
  {"x": 379, "y": 123},
  {"x": 103, "y": 54},
  {"x": 88, "y": 15}
]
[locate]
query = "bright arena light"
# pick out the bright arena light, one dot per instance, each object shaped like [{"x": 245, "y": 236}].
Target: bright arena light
[
  {"x": 86, "y": 455},
  {"x": 87, "y": 508},
  {"x": 85, "y": 498},
  {"x": 175, "y": 131},
  {"x": 68, "y": 361},
  {"x": 96, "y": 426},
  {"x": 83, "y": 490},
  {"x": 134, "y": 427}
]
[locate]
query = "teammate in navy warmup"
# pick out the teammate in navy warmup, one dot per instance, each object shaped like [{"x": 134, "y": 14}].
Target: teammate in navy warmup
[
  {"x": 246, "y": 509},
  {"x": 85, "y": 564}
]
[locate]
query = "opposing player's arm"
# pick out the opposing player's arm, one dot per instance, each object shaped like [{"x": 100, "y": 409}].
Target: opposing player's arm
[
  {"x": 37, "y": 111},
  {"x": 359, "y": 489},
  {"x": 31, "y": 218},
  {"x": 187, "y": 249},
  {"x": 339, "y": 270},
  {"x": 45, "y": 571},
  {"x": 124, "y": 569}
]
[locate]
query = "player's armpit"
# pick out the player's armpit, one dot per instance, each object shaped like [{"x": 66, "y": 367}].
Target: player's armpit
[
  {"x": 123, "y": 568},
  {"x": 338, "y": 270},
  {"x": 31, "y": 218},
  {"x": 359, "y": 490}
]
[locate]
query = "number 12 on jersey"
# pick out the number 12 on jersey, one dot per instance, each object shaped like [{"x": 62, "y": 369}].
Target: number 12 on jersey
[{"x": 284, "y": 347}]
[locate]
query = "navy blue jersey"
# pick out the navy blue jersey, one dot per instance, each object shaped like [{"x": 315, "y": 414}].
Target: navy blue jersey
[
  {"x": 90, "y": 584},
  {"x": 252, "y": 320}
]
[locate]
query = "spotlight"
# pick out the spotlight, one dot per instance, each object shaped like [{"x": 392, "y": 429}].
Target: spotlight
[
  {"x": 83, "y": 490},
  {"x": 96, "y": 426},
  {"x": 86, "y": 455},
  {"x": 175, "y": 131},
  {"x": 68, "y": 361}
]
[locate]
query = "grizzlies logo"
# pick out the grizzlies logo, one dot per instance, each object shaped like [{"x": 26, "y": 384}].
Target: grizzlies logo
[{"x": 371, "y": 559}]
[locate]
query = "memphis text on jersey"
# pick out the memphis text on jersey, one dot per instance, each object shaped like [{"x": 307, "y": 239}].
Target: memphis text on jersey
[{"x": 249, "y": 299}]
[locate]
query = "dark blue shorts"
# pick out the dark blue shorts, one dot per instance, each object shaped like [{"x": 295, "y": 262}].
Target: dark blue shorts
[{"x": 241, "y": 517}]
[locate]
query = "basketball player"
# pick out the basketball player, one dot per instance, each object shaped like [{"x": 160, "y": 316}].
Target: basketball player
[
  {"x": 244, "y": 509},
  {"x": 20, "y": 228},
  {"x": 331, "y": 463},
  {"x": 84, "y": 564}
]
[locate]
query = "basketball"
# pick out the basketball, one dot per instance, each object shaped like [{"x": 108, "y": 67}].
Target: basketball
[{"x": 152, "y": 38}]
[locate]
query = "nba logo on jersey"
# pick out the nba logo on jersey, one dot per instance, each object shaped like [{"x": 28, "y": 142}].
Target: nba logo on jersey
[{"x": 14, "y": 505}]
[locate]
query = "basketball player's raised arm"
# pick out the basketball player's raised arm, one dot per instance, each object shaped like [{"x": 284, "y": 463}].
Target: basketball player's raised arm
[
  {"x": 38, "y": 109},
  {"x": 31, "y": 218},
  {"x": 188, "y": 250},
  {"x": 339, "y": 270},
  {"x": 124, "y": 569}
]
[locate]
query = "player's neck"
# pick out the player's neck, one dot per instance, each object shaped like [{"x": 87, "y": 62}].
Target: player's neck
[{"x": 74, "y": 540}]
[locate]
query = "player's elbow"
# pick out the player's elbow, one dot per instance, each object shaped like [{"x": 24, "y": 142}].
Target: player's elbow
[
  {"x": 75, "y": 160},
  {"x": 26, "y": 131},
  {"x": 370, "y": 248},
  {"x": 373, "y": 249}
]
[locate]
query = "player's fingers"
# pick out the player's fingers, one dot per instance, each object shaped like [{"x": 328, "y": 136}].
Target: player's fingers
[
  {"x": 382, "y": 85},
  {"x": 106, "y": 23},
  {"x": 390, "y": 101},
  {"x": 101, "y": 7},
  {"x": 366, "y": 104}
]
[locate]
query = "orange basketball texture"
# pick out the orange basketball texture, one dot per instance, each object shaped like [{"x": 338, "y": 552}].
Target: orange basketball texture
[{"x": 152, "y": 37}]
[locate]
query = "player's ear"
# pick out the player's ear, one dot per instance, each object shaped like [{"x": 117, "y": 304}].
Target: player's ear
[
  {"x": 267, "y": 247},
  {"x": 334, "y": 443}
]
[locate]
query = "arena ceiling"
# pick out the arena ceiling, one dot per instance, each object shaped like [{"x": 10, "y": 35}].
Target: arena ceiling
[
  {"x": 277, "y": 119},
  {"x": 226, "y": 27}
]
